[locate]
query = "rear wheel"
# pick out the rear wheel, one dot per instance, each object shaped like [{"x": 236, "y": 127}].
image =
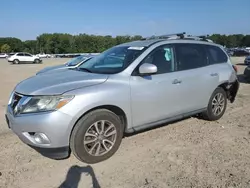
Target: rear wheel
[
  {"x": 96, "y": 136},
  {"x": 217, "y": 105}
]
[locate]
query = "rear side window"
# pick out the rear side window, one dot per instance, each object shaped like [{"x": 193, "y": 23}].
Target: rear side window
[
  {"x": 190, "y": 56},
  {"x": 216, "y": 55}
]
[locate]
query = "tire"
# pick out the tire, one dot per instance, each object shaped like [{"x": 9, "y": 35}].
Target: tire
[
  {"x": 210, "y": 114},
  {"x": 78, "y": 140},
  {"x": 36, "y": 61},
  {"x": 16, "y": 61}
]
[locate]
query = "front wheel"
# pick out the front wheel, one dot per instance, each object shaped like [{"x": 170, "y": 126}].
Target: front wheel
[
  {"x": 96, "y": 136},
  {"x": 216, "y": 106}
]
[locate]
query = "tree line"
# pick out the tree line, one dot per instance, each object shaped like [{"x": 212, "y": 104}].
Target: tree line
[{"x": 57, "y": 43}]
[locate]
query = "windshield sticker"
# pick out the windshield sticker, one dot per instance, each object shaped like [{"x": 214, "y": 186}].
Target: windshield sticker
[{"x": 135, "y": 48}]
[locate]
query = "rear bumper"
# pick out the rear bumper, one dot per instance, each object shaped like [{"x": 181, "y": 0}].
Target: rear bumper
[{"x": 233, "y": 90}]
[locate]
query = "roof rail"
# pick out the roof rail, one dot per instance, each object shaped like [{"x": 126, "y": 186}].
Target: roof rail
[
  {"x": 201, "y": 37},
  {"x": 180, "y": 35}
]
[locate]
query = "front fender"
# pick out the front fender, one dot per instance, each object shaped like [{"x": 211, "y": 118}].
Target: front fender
[{"x": 88, "y": 98}]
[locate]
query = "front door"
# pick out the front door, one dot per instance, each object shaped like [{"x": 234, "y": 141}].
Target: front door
[{"x": 156, "y": 97}]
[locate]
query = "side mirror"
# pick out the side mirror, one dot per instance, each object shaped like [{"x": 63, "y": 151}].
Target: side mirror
[{"x": 147, "y": 69}]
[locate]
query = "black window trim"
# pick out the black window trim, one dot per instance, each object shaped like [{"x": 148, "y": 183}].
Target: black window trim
[{"x": 135, "y": 72}]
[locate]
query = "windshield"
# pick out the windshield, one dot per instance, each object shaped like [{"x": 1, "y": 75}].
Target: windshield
[
  {"x": 113, "y": 60},
  {"x": 76, "y": 60}
]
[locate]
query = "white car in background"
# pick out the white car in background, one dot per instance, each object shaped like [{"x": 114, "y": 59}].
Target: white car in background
[
  {"x": 3, "y": 55},
  {"x": 43, "y": 55},
  {"x": 23, "y": 57}
]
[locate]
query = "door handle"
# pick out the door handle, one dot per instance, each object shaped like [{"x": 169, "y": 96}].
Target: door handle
[
  {"x": 214, "y": 74},
  {"x": 176, "y": 81}
]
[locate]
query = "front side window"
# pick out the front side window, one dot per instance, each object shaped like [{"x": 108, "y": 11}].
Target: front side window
[
  {"x": 190, "y": 56},
  {"x": 216, "y": 55},
  {"x": 162, "y": 57},
  {"x": 113, "y": 60}
]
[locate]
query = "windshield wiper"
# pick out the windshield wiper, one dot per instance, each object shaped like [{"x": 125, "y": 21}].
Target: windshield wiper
[{"x": 84, "y": 69}]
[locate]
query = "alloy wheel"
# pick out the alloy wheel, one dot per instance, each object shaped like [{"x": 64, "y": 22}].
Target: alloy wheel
[
  {"x": 100, "y": 138},
  {"x": 218, "y": 104}
]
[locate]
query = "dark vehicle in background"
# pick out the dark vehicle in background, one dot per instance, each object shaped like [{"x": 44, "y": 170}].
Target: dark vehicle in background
[
  {"x": 72, "y": 63},
  {"x": 241, "y": 52},
  {"x": 247, "y": 60},
  {"x": 247, "y": 73},
  {"x": 229, "y": 51}
]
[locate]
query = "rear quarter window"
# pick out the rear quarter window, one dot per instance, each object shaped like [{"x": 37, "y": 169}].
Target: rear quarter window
[{"x": 216, "y": 55}]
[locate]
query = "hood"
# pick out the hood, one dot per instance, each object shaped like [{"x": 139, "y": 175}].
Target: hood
[
  {"x": 58, "y": 82},
  {"x": 51, "y": 68}
]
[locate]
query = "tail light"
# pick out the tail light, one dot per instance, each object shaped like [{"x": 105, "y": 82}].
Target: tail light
[{"x": 235, "y": 68}]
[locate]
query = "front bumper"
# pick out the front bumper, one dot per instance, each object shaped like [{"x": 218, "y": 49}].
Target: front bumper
[
  {"x": 53, "y": 153},
  {"x": 55, "y": 125}
]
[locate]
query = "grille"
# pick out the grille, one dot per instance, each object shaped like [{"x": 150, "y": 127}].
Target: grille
[{"x": 15, "y": 99}]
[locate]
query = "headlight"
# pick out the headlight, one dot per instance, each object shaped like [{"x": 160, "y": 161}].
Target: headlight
[
  {"x": 11, "y": 96},
  {"x": 41, "y": 104}
]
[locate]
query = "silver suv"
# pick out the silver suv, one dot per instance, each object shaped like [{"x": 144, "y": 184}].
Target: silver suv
[{"x": 129, "y": 87}]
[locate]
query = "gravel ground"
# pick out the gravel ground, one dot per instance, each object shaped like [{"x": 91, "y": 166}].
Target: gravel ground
[{"x": 188, "y": 153}]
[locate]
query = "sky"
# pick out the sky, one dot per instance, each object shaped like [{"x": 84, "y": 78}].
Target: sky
[{"x": 27, "y": 19}]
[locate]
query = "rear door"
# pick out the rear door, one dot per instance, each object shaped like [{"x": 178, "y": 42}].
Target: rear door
[
  {"x": 198, "y": 79},
  {"x": 219, "y": 63}
]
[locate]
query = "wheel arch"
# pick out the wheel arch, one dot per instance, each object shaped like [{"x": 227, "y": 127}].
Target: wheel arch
[
  {"x": 115, "y": 109},
  {"x": 231, "y": 89}
]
